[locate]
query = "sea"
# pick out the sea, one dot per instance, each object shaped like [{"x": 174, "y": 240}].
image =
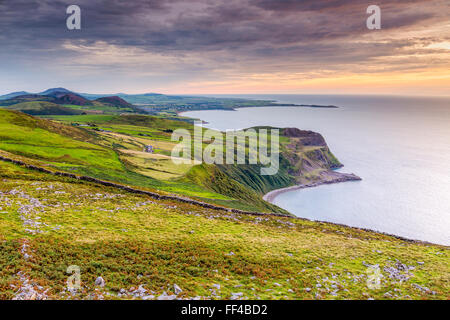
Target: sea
[{"x": 399, "y": 146}]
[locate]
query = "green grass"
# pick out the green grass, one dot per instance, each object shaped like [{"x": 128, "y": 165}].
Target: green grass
[
  {"x": 133, "y": 241},
  {"x": 94, "y": 118},
  {"x": 42, "y": 108},
  {"x": 64, "y": 148},
  {"x": 30, "y": 138}
]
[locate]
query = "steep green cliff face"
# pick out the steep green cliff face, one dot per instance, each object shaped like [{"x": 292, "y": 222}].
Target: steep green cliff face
[
  {"x": 240, "y": 182},
  {"x": 304, "y": 157}
]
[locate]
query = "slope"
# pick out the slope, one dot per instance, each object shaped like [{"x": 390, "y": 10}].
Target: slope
[{"x": 142, "y": 247}]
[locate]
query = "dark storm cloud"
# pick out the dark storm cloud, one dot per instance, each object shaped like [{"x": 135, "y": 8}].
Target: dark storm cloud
[
  {"x": 224, "y": 34},
  {"x": 181, "y": 25}
]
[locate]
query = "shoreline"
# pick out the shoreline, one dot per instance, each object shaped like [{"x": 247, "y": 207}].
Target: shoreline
[{"x": 331, "y": 178}]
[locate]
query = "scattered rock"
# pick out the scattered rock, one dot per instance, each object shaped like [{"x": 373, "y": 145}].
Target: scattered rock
[
  {"x": 177, "y": 289},
  {"x": 100, "y": 282},
  {"x": 28, "y": 290},
  {"x": 237, "y": 295},
  {"x": 423, "y": 289},
  {"x": 164, "y": 296}
]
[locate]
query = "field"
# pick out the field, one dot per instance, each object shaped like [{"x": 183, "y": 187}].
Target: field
[{"x": 102, "y": 146}]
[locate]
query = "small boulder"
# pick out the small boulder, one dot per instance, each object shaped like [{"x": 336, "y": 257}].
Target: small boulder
[
  {"x": 100, "y": 282},
  {"x": 177, "y": 289}
]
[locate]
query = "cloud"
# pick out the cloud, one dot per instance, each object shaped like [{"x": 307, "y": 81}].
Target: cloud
[{"x": 174, "y": 39}]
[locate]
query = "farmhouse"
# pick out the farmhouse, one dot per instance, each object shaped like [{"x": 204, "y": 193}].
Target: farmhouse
[{"x": 149, "y": 149}]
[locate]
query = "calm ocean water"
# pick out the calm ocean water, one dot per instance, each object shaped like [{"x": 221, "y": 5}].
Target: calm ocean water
[{"x": 400, "y": 147}]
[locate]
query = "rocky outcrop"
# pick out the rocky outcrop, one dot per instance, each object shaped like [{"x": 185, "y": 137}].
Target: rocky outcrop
[{"x": 308, "y": 138}]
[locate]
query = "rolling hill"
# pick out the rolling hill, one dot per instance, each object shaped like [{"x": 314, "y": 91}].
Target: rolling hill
[
  {"x": 72, "y": 99},
  {"x": 147, "y": 103},
  {"x": 102, "y": 152},
  {"x": 43, "y": 108},
  {"x": 54, "y": 92},
  {"x": 114, "y": 101},
  {"x": 67, "y": 100},
  {"x": 13, "y": 95},
  {"x": 25, "y": 98}
]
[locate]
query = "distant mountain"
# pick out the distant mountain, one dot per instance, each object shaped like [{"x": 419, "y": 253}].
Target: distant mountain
[
  {"x": 64, "y": 96},
  {"x": 152, "y": 94},
  {"x": 69, "y": 98},
  {"x": 13, "y": 95},
  {"x": 55, "y": 92},
  {"x": 114, "y": 101},
  {"x": 149, "y": 102}
]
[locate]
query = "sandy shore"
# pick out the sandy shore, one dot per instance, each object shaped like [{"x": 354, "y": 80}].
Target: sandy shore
[{"x": 328, "y": 178}]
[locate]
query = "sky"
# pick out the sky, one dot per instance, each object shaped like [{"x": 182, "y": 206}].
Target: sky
[{"x": 226, "y": 47}]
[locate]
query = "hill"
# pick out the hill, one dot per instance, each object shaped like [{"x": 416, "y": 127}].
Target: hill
[
  {"x": 123, "y": 138},
  {"x": 59, "y": 98},
  {"x": 13, "y": 95},
  {"x": 55, "y": 92},
  {"x": 111, "y": 149},
  {"x": 72, "y": 99},
  {"x": 114, "y": 101},
  {"x": 145, "y": 248},
  {"x": 150, "y": 103},
  {"x": 43, "y": 108},
  {"x": 25, "y": 98}
]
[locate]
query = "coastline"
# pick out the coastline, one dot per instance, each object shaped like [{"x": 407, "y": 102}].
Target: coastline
[
  {"x": 180, "y": 112},
  {"x": 330, "y": 177}
]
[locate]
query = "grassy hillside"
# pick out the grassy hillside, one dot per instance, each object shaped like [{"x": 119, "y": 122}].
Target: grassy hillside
[
  {"x": 303, "y": 159},
  {"x": 142, "y": 247},
  {"x": 114, "y": 154},
  {"x": 43, "y": 108},
  {"x": 25, "y": 98},
  {"x": 111, "y": 147}
]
